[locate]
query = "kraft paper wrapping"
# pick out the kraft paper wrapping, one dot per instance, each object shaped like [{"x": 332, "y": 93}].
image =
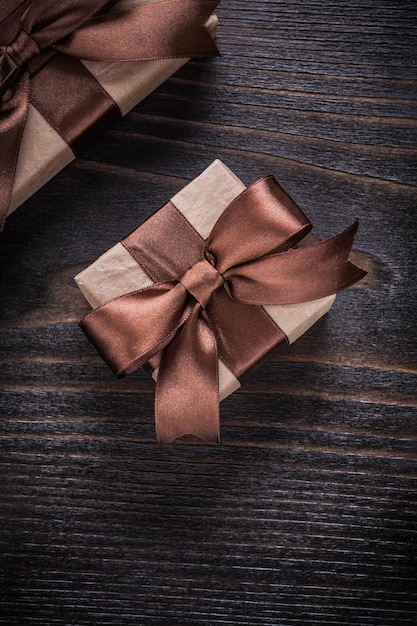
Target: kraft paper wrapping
[
  {"x": 44, "y": 153},
  {"x": 201, "y": 202}
]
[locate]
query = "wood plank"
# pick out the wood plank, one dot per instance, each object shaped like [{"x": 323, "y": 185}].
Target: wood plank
[{"x": 307, "y": 512}]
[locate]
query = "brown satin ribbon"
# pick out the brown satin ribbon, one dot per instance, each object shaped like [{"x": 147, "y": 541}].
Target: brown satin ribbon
[
  {"x": 41, "y": 43},
  {"x": 206, "y": 300}
]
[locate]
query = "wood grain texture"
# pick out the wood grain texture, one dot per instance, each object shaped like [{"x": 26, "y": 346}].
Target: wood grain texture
[{"x": 307, "y": 513}]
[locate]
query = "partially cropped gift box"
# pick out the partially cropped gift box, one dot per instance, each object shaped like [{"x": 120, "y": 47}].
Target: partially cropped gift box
[
  {"x": 207, "y": 288},
  {"x": 69, "y": 68}
]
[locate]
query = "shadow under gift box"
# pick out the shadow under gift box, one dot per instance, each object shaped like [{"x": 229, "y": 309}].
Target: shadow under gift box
[
  {"x": 201, "y": 202},
  {"x": 43, "y": 152}
]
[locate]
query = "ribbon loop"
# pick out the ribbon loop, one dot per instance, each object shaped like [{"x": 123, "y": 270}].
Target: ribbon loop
[
  {"x": 268, "y": 220},
  {"x": 201, "y": 280}
]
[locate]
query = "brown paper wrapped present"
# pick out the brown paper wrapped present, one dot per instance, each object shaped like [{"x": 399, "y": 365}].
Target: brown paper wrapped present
[
  {"x": 51, "y": 104},
  {"x": 206, "y": 288}
]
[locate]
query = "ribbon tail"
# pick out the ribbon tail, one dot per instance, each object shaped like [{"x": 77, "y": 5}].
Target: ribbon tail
[
  {"x": 13, "y": 114},
  {"x": 187, "y": 392},
  {"x": 298, "y": 275}
]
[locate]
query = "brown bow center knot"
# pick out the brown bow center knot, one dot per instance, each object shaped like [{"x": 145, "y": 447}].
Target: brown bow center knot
[
  {"x": 22, "y": 49},
  {"x": 13, "y": 57},
  {"x": 201, "y": 280}
]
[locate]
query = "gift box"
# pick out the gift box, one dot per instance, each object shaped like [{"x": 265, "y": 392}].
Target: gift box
[
  {"x": 206, "y": 289},
  {"x": 56, "y": 95}
]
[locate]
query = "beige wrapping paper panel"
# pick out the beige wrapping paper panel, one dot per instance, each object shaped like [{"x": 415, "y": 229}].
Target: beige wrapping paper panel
[
  {"x": 44, "y": 153},
  {"x": 201, "y": 202}
]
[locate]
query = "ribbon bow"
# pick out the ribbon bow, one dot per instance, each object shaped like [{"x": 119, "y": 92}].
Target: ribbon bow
[
  {"x": 59, "y": 85},
  {"x": 206, "y": 303}
]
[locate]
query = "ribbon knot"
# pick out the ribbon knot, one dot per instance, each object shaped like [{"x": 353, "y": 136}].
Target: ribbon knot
[
  {"x": 13, "y": 58},
  {"x": 201, "y": 280},
  {"x": 23, "y": 49},
  {"x": 184, "y": 340}
]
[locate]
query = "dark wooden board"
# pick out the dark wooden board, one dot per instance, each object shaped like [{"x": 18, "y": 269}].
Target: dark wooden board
[{"x": 307, "y": 512}]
